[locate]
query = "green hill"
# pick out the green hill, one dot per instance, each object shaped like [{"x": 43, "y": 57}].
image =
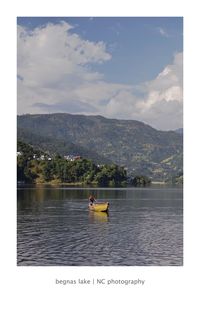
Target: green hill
[
  {"x": 35, "y": 166},
  {"x": 61, "y": 146},
  {"x": 133, "y": 144}
]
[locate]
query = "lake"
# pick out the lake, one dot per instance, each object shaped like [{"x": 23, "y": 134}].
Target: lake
[{"x": 144, "y": 227}]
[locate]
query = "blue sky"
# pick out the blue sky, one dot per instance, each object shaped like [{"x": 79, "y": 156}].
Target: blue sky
[{"x": 135, "y": 61}]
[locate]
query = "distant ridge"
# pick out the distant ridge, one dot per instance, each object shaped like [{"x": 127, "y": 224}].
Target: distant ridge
[
  {"x": 179, "y": 131},
  {"x": 133, "y": 144}
]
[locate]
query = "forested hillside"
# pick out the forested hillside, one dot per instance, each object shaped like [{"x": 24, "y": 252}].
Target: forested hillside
[{"x": 140, "y": 148}]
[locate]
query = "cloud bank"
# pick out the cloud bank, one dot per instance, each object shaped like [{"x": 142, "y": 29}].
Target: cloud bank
[{"x": 55, "y": 75}]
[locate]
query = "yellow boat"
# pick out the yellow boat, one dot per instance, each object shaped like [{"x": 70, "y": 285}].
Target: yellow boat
[{"x": 99, "y": 207}]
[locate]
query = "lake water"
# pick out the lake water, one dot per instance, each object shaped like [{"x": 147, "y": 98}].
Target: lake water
[{"x": 144, "y": 227}]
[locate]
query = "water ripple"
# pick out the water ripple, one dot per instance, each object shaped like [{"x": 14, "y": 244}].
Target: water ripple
[{"x": 142, "y": 228}]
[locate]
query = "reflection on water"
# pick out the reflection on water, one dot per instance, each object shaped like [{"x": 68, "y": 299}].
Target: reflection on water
[
  {"x": 144, "y": 227},
  {"x": 95, "y": 217}
]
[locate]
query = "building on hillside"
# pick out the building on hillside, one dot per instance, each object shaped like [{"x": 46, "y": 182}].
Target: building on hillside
[
  {"x": 72, "y": 157},
  {"x": 77, "y": 158},
  {"x": 42, "y": 157}
]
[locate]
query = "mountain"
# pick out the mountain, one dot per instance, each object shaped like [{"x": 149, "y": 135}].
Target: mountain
[{"x": 133, "y": 144}]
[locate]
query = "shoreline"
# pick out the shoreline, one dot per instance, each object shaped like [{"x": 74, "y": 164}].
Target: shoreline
[{"x": 79, "y": 184}]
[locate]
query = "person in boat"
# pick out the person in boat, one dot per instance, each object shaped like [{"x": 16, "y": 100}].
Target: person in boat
[{"x": 92, "y": 199}]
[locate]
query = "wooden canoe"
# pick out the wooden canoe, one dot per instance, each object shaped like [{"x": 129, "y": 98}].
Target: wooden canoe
[{"x": 99, "y": 207}]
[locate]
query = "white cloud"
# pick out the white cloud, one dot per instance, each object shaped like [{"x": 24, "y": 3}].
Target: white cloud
[
  {"x": 55, "y": 76},
  {"x": 160, "y": 103},
  {"x": 163, "y": 32},
  {"x": 52, "y": 62}
]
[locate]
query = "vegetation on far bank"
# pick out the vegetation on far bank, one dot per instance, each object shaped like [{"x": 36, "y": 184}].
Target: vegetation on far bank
[
  {"x": 36, "y": 166},
  {"x": 33, "y": 166}
]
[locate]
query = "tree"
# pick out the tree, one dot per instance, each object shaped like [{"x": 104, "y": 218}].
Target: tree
[
  {"x": 140, "y": 181},
  {"x": 47, "y": 171}
]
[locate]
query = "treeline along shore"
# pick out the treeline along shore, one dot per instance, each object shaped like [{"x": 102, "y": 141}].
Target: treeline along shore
[{"x": 36, "y": 166}]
